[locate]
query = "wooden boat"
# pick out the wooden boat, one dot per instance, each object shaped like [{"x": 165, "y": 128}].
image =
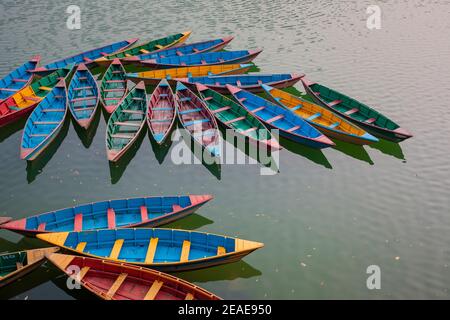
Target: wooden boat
[
  {"x": 15, "y": 265},
  {"x": 249, "y": 82},
  {"x": 120, "y": 213},
  {"x": 83, "y": 96},
  {"x": 197, "y": 120},
  {"x": 167, "y": 250},
  {"x": 113, "y": 86},
  {"x": 233, "y": 116},
  {"x": 207, "y": 58},
  {"x": 5, "y": 219},
  {"x": 86, "y": 57},
  {"x": 22, "y": 103},
  {"x": 44, "y": 123},
  {"x": 192, "y": 48},
  {"x": 323, "y": 119},
  {"x": 145, "y": 48},
  {"x": 153, "y": 77},
  {"x": 18, "y": 79},
  {"x": 161, "y": 112},
  {"x": 357, "y": 112},
  {"x": 126, "y": 123},
  {"x": 119, "y": 281},
  {"x": 273, "y": 116}
]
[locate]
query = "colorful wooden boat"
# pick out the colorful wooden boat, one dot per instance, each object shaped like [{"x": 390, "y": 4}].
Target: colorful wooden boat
[
  {"x": 18, "y": 79},
  {"x": 353, "y": 110},
  {"x": 145, "y": 48},
  {"x": 45, "y": 122},
  {"x": 110, "y": 280},
  {"x": 120, "y": 213},
  {"x": 192, "y": 48},
  {"x": 233, "y": 116},
  {"x": 113, "y": 86},
  {"x": 326, "y": 121},
  {"x": 153, "y": 77},
  {"x": 167, "y": 250},
  {"x": 126, "y": 123},
  {"x": 5, "y": 219},
  {"x": 208, "y": 58},
  {"x": 273, "y": 116},
  {"x": 22, "y": 103},
  {"x": 196, "y": 118},
  {"x": 86, "y": 57},
  {"x": 83, "y": 96},
  {"x": 249, "y": 82},
  {"x": 15, "y": 265},
  {"x": 161, "y": 112}
]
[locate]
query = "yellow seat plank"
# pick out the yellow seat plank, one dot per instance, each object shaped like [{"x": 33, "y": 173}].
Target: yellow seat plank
[
  {"x": 82, "y": 273},
  {"x": 153, "y": 291},
  {"x": 221, "y": 250},
  {"x": 45, "y": 88},
  {"x": 185, "y": 251},
  {"x": 116, "y": 285},
  {"x": 151, "y": 250},
  {"x": 189, "y": 296},
  {"x": 144, "y": 51},
  {"x": 116, "y": 249},
  {"x": 81, "y": 246}
]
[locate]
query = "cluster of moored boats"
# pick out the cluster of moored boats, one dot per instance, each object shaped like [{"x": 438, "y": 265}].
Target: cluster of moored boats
[
  {"x": 114, "y": 259},
  {"x": 202, "y": 74}
]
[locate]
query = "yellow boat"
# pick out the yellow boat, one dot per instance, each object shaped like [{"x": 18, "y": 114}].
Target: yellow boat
[
  {"x": 324, "y": 120},
  {"x": 153, "y": 77}
]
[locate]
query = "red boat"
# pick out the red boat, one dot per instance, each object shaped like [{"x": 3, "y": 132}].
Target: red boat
[{"x": 119, "y": 281}]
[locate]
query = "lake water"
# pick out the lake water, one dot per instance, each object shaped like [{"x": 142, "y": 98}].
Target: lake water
[{"x": 326, "y": 216}]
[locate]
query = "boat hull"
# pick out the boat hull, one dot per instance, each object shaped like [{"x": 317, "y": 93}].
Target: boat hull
[{"x": 17, "y": 115}]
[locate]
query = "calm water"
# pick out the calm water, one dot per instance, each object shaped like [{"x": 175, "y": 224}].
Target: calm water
[{"x": 327, "y": 215}]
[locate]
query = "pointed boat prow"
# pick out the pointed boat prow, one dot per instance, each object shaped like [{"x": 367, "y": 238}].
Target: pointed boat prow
[
  {"x": 4, "y": 220},
  {"x": 233, "y": 89}
]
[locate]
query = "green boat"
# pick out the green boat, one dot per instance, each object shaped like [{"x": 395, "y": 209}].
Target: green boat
[
  {"x": 114, "y": 86},
  {"x": 234, "y": 116},
  {"x": 147, "y": 47},
  {"x": 353, "y": 110},
  {"x": 15, "y": 265},
  {"x": 126, "y": 122}
]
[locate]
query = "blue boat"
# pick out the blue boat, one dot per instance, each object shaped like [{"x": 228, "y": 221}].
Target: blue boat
[
  {"x": 185, "y": 49},
  {"x": 84, "y": 96},
  {"x": 86, "y": 57},
  {"x": 45, "y": 122},
  {"x": 249, "y": 82},
  {"x": 166, "y": 250},
  {"x": 120, "y": 213},
  {"x": 201, "y": 59},
  {"x": 273, "y": 116},
  {"x": 18, "y": 79}
]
